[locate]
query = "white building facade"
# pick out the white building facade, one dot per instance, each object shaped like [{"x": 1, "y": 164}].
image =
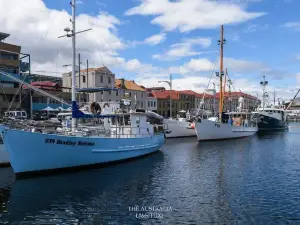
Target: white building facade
[
  {"x": 103, "y": 77},
  {"x": 151, "y": 102}
]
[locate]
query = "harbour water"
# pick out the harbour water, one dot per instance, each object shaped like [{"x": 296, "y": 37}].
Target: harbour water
[
  {"x": 3, "y": 155},
  {"x": 255, "y": 180}
]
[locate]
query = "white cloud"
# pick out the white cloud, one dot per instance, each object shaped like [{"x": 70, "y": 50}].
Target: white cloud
[
  {"x": 255, "y": 27},
  {"x": 155, "y": 39},
  {"x": 235, "y": 65},
  {"x": 36, "y": 28},
  {"x": 298, "y": 78},
  {"x": 244, "y": 65},
  {"x": 135, "y": 65},
  {"x": 184, "y": 49},
  {"x": 292, "y": 25},
  {"x": 187, "y": 15},
  {"x": 79, "y": 2},
  {"x": 192, "y": 83}
]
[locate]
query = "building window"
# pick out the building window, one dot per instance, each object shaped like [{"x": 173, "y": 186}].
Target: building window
[
  {"x": 109, "y": 92},
  {"x": 151, "y": 103},
  {"x": 154, "y": 103},
  {"x": 83, "y": 79},
  {"x": 101, "y": 92},
  {"x": 117, "y": 92},
  {"x": 11, "y": 56},
  {"x": 109, "y": 80},
  {"x": 142, "y": 104},
  {"x": 148, "y": 103},
  {"x": 109, "y": 100},
  {"x": 101, "y": 79}
]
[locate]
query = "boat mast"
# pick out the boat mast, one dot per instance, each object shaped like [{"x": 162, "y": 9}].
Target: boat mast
[
  {"x": 73, "y": 5},
  {"x": 221, "y": 43},
  {"x": 264, "y": 84}
]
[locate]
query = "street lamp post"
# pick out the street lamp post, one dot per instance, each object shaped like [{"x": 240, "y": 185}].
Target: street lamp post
[{"x": 170, "y": 84}]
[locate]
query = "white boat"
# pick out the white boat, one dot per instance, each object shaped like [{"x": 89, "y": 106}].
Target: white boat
[
  {"x": 180, "y": 128},
  {"x": 218, "y": 128},
  {"x": 211, "y": 129},
  {"x": 125, "y": 136}
]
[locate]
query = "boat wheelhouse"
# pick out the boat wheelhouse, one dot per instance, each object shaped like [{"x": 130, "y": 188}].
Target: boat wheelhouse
[{"x": 270, "y": 118}]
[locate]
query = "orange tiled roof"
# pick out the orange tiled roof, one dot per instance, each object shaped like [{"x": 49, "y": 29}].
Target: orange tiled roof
[
  {"x": 129, "y": 84},
  {"x": 237, "y": 94},
  {"x": 166, "y": 94},
  {"x": 190, "y": 92}
]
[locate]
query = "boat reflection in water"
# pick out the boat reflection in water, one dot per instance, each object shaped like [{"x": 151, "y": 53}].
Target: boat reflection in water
[{"x": 82, "y": 197}]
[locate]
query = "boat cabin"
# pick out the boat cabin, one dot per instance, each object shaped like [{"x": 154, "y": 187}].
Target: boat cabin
[
  {"x": 239, "y": 119},
  {"x": 134, "y": 123},
  {"x": 277, "y": 113}
]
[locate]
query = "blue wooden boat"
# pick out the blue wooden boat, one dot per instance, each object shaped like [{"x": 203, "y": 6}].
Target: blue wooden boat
[{"x": 125, "y": 136}]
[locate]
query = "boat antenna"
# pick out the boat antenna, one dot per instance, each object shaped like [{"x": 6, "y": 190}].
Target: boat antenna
[
  {"x": 229, "y": 93},
  {"x": 221, "y": 42},
  {"x": 264, "y": 83},
  {"x": 72, "y": 33}
]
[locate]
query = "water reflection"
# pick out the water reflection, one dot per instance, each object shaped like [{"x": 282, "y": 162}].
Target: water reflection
[
  {"x": 253, "y": 180},
  {"x": 82, "y": 197}
]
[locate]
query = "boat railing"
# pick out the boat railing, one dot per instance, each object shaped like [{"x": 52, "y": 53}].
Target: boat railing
[{"x": 117, "y": 131}]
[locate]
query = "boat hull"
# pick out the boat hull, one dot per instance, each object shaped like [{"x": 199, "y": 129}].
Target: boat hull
[
  {"x": 4, "y": 158},
  {"x": 208, "y": 130},
  {"x": 268, "y": 123},
  {"x": 35, "y": 152},
  {"x": 179, "y": 129}
]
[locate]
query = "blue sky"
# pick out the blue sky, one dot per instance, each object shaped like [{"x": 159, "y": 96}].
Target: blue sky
[{"x": 261, "y": 36}]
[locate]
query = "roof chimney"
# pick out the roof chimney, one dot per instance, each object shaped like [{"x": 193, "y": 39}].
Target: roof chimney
[{"x": 123, "y": 83}]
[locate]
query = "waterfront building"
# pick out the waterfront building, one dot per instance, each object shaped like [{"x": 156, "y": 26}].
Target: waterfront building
[
  {"x": 34, "y": 102},
  {"x": 151, "y": 100},
  {"x": 34, "y": 77},
  {"x": 295, "y": 104},
  {"x": 187, "y": 100},
  {"x": 103, "y": 77},
  {"x": 163, "y": 102},
  {"x": 231, "y": 101},
  {"x": 182, "y": 100},
  {"x": 10, "y": 95}
]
